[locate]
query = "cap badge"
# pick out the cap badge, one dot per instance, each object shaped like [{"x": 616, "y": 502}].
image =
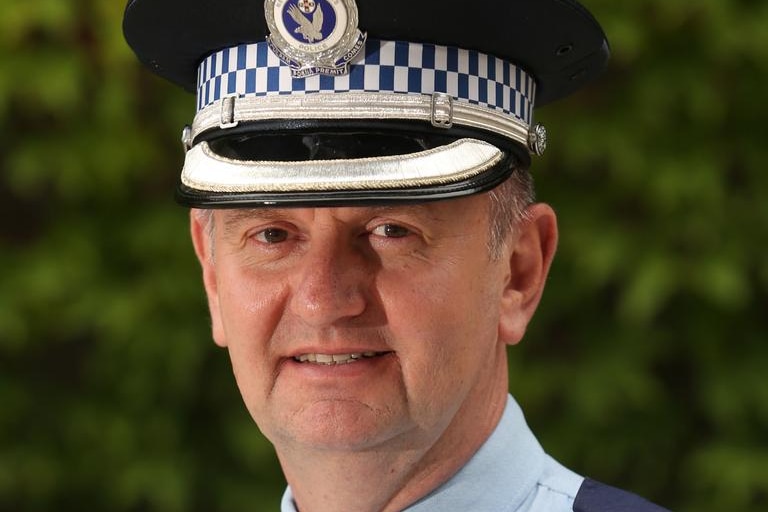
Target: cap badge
[{"x": 314, "y": 36}]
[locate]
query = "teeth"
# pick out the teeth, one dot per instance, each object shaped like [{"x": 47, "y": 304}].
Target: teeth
[{"x": 332, "y": 359}]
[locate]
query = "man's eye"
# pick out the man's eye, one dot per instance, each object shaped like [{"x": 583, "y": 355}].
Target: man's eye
[
  {"x": 391, "y": 231},
  {"x": 272, "y": 236}
]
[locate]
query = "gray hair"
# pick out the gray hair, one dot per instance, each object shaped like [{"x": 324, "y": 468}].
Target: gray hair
[
  {"x": 508, "y": 206},
  {"x": 205, "y": 217}
]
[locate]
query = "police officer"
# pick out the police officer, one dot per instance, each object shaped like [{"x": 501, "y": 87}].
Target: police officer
[{"x": 364, "y": 217}]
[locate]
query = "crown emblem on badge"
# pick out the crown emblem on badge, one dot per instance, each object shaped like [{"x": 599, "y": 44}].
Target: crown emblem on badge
[
  {"x": 314, "y": 36},
  {"x": 306, "y": 6}
]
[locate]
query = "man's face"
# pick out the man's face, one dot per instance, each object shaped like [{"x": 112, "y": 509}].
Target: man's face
[{"x": 359, "y": 327}]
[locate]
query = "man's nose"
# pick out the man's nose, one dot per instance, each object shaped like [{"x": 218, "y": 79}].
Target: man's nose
[{"x": 333, "y": 283}]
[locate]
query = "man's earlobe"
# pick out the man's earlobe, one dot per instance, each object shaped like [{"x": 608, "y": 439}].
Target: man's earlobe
[
  {"x": 530, "y": 252},
  {"x": 203, "y": 244}
]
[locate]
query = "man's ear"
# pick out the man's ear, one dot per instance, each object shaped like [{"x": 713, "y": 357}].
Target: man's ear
[
  {"x": 530, "y": 249},
  {"x": 202, "y": 240}
]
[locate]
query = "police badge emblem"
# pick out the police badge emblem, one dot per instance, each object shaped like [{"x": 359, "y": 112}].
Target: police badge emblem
[{"x": 314, "y": 36}]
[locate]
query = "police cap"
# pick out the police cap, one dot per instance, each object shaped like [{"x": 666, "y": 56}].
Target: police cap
[{"x": 333, "y": 102}]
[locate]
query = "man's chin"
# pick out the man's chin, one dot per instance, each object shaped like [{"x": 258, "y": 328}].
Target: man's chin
[{"x": 338, "y": 424}]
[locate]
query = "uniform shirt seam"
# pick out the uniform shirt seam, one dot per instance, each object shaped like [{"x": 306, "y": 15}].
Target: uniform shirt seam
[{"x": 556, "y": 491}]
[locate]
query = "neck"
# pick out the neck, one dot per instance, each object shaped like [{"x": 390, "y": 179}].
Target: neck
[{"x": 390, "y": 478}]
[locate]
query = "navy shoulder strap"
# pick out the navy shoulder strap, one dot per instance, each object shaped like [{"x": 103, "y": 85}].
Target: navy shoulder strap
[{"x": 596, "y": 497}]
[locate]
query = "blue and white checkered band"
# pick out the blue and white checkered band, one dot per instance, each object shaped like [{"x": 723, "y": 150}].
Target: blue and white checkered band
[{"x": 383, "y": 67}]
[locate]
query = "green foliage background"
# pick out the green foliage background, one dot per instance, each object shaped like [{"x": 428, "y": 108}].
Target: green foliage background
[{"x": 646, "y": 366}]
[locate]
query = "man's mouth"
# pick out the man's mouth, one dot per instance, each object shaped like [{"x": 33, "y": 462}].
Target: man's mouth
[{"x": 334, "y": 359}]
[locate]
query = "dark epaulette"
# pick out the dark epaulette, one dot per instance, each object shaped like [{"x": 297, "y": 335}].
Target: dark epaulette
[{"x": 596, "y": 497}]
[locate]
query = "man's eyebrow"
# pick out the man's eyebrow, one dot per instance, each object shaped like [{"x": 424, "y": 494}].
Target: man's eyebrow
[
  {"x": 235, "y": 217},
  {"x": 429, "y": 211}
]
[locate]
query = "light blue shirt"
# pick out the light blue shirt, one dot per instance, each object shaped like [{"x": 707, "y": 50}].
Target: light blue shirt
[{"x": 509, "y": 473}]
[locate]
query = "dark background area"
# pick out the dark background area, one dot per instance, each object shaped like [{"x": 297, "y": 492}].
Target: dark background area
[{"x": 645, "y": 367}]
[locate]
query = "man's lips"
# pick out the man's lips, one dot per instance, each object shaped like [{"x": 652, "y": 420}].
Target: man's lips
[{"x": 336, "y": 359}]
